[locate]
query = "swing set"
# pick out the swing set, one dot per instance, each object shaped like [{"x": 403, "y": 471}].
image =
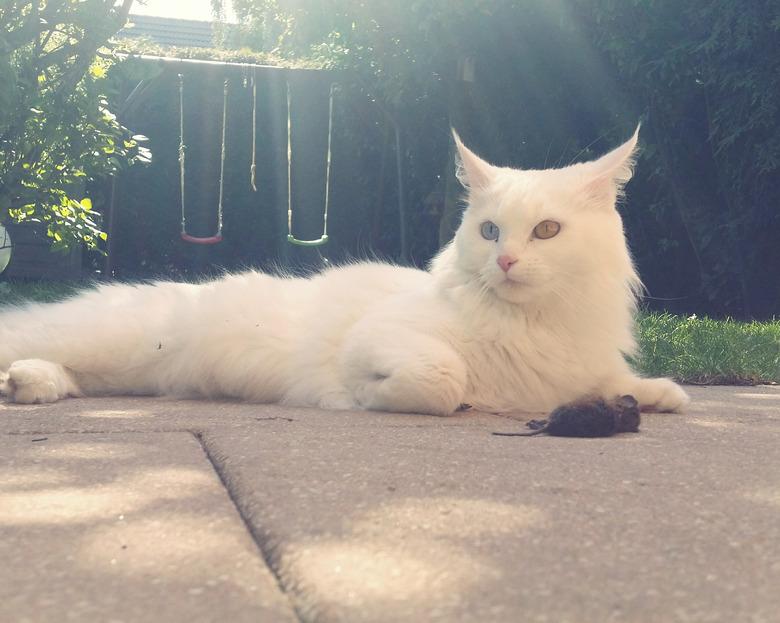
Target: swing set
[
  {"x": 138, "y": 93},
  {"x": 217, "y": 236}
]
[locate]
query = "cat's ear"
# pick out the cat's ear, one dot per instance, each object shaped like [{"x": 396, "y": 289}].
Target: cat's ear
[
  {"x": 472, "y": 171},
  {"x": 606, "y": 177}
]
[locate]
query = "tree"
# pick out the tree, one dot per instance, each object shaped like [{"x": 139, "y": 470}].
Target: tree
[
  {"x": 708, "y": 75},
  {"x": 554, "y": 75},
  {"x": 57, "y": 132}
]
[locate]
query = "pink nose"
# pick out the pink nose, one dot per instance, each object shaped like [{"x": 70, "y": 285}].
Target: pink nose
[{"x": 506, "y": 262}]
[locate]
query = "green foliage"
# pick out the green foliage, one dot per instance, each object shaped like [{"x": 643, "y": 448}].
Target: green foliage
[
  {"x": 141, "y": 46},
  {"x": 707, "y": 351},
  {"x": 396, "y": 47},
  {"x": 21, "y": 292},
  {"x": 708, "y": 75},
  {"x": 57, "y": 132}
]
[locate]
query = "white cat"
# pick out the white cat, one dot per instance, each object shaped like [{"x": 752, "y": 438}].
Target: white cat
[{"x": 529, "y": 307}]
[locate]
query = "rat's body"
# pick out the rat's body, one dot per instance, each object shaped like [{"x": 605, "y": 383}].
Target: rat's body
[{"x": 595, "y": 418}]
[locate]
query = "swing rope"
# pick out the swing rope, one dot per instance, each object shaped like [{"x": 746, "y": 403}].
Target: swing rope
[
  {"x": 6, "y": 239},
  {"x": 253, "y": 167},
  {"x": 217, "y": 237},
  {"x": 222, "y": 158},
  {"x": 290, "y": 237}
]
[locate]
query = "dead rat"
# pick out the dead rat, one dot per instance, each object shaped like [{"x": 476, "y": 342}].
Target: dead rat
[{"x": 592, "y": 418}]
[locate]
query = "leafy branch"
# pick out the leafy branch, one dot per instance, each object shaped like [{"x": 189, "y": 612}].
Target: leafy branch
[{"x": 57, "y": 132}]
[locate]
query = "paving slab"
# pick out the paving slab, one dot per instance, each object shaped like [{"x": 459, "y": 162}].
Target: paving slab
[
  {"x": 124, "y": 527},
  {"x": 385, "y": 517},
  {"x": 678, "y": 523},
  {"x": 121, "y": 414}
]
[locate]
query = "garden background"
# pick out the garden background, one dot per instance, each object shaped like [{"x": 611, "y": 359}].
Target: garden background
[{"x": 526, "y": 83}]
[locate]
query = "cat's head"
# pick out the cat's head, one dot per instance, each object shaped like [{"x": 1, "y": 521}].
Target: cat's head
[{"x": 527, "y": 234}]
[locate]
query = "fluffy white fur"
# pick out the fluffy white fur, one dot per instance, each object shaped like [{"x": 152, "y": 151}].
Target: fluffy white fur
[{"x": 554, "y": 328}]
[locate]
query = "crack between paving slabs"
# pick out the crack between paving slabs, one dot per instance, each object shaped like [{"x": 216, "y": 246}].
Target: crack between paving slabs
[{"x": 257, "y": 539}]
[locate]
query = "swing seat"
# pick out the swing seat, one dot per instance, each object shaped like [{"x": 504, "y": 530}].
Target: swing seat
[
  {"x": 197, "y": 240},
  {"x": 323, "y": 239},
  {"x": 307, "y": 243},
  {"x": 217, "y": 237}
]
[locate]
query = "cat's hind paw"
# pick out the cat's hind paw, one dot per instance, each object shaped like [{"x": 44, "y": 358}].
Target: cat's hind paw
[{"x": 31, "y": 381}]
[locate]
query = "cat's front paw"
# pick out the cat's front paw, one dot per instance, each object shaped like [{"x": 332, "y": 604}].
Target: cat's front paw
[
  {"x": 660, "y": 395},
  {"x": 31, "y": 381}
]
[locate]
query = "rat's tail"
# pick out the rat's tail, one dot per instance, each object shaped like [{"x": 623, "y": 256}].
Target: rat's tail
[{"x": 533, "y": 432}]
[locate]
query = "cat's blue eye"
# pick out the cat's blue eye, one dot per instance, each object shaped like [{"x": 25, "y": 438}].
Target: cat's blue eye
[{"x": 489, "y": 230}]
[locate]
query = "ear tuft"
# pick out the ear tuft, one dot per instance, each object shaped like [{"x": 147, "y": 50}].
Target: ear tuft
[
  {"x": 607, "y": 176},
  {"x": 472, "y": 171}
]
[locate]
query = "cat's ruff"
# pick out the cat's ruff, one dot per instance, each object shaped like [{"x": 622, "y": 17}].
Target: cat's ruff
[{"x": 549, "y": 323}]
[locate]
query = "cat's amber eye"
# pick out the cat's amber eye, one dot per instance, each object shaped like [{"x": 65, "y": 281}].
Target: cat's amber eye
[
  {"x": 546, "y": 229},
  {"x": 489, "y": 230}
]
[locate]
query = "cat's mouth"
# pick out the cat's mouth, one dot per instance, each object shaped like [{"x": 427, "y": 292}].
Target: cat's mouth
[
  {"x": 513, "y": 289},
  {"x": 513, "y": 282},
  {"x": 508, "y": 287}
]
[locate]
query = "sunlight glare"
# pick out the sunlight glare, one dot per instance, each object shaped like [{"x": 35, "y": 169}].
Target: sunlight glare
[{"x": 183, "y": 9}]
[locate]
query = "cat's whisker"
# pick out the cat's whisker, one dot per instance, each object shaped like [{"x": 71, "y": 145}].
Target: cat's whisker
[
  {"x": 586, "y": 148},
  {"x": 547, "y": 154},
  {"x": 563, "y": 153}
]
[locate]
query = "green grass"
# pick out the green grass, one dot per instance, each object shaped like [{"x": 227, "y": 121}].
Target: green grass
[
  {"x": 709, "y": 352},
  {"x": 691, "y": 350},
  {"x": 17, "y": 292}
]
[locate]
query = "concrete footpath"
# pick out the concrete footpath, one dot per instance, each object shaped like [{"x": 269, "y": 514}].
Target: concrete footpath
[{"x": 125, "y": 510}]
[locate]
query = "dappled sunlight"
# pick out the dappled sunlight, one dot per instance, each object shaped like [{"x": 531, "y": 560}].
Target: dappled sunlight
[
  {"x": 128, "y": 414},
  {"x": 765, "y": 496},
  {"x": 140, "y": 516},
  {"x": 94, "y": 501},
  {"x": 409, "y": 550},
  {"x": 83, "y": 450},
  {"x": 113, "y": 523},
  {"x": 348, "y": 572},
  {"x": 718, "y": 424},
  {"x": 14, "y": 408},
  {"x": 174, "y": 544},
  {"x": 448, "y": 518},
  {"x": 743, "y": 407},
  {"x": 32, "y": 477},
  {"x": 774, "y": 396},
  {"x": 56, "y": 506}
]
